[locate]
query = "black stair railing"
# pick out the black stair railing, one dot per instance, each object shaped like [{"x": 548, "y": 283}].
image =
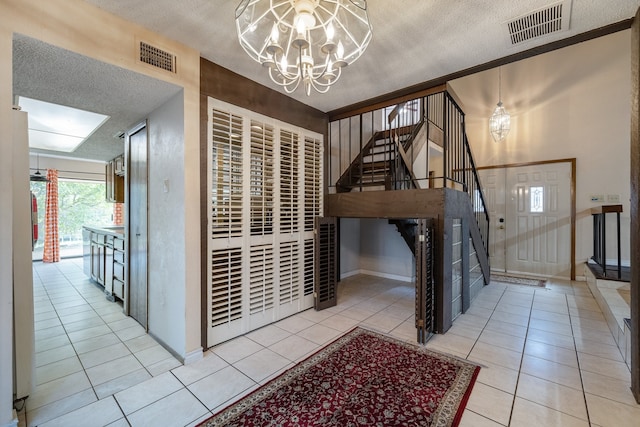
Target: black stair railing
[{"x": 392, "y": 142}]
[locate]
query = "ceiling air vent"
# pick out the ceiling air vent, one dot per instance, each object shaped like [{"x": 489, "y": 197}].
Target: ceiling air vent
[
  {"x": 542, "y": 22},
  {"x": 157, "y": 57}
]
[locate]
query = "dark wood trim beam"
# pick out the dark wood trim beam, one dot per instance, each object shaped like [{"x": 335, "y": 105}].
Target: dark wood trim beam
[
  {"x": 635, "y": 208},
  {"x": 403, "y": 204},
  {"x": 420, "y": 89}
]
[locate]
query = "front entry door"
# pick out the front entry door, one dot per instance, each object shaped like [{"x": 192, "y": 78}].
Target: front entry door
[
  {"x": 530, "y": 213},
  {"x": 137, "y": 204}
]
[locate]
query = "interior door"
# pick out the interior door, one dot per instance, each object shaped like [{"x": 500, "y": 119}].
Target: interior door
[
  {"x": 138, "y": 210},
  {"x": 530, "y": 215}
]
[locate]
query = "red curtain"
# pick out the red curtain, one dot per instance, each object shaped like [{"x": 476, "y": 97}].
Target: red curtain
[{"x": 51, "y": 239}]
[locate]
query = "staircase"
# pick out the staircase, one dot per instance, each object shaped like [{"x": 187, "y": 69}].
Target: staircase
[
  {"x": 407, "y": 229},
  {"x": 434, "y": 133},
  {"x": 383, "y": 162}
]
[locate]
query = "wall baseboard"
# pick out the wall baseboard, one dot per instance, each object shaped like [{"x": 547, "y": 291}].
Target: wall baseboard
[
  {"x": 388, "y": 276},
  {"x": 193, "y": 356}
]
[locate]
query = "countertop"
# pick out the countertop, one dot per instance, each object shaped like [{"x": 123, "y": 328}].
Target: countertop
[{"x": 114, "y": 230}]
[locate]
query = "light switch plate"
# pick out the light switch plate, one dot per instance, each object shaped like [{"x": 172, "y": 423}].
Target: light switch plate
[{"x": 596, "y": 198}]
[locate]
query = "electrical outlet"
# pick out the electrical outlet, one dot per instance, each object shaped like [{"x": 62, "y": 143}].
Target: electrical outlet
[{"x": 613, "y": 198}]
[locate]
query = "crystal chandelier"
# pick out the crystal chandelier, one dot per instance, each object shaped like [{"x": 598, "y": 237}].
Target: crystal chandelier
[
  {"x": 500, "y": 121},
  {"x": 303, "y": 41}
]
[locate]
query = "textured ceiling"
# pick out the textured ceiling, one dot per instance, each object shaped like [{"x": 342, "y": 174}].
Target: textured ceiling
[
  {"x": 414, "y": 41},
  {"x": 56, "y": 75}
]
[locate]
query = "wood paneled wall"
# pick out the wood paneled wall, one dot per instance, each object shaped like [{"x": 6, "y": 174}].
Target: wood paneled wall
[{"x": 222, "y": 84}]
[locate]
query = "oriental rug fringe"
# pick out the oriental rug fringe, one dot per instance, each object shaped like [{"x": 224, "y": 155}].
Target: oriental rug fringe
[{"x": 361, "y": 379}]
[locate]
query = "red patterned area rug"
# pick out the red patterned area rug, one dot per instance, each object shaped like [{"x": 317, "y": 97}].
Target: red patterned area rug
[{"x": 361, "y": 379}]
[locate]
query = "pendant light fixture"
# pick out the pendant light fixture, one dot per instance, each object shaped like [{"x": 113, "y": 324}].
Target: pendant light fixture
[
  {"x": 303, "y": 41},
  {"x": 38, "y": 177},
  {"x": 500, "y": 121}
]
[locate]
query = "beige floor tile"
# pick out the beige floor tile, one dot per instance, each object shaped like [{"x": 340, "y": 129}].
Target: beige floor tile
[
  {"x": 382, "y": 323},
  {"x": 480, "y": 312},
  {"x": 54, "y": 355},
  {"x": 499, "y": 339},
  {"x": 451, "y": 343},
  {"x": 315, "y": 316},
  {"x": 516, "y": 319},
  {"x": 218, "y": 388},
  {"x": 177, "y": 409},
  {"x": 53, "y": 331},
  {"x": 549, "y": 326},
  {"x": 113, "y": 369},
  {"x": 145, "y": 393},
  {"x": 121, "y": 383},
  {"x": 120, "y": 324},
  {"x": 51, "y": 343},
  {"x": 262, "y": 364},
  {"x": 609, "y": 413},
  {"x": 236, "y": 349},
  {"x": 607, "y": 367},
  {"x": 320, "y": 334},
  {"x": 340, "y": 323},
  {"x": 87, "y": 333},
  {"x": 44, "y": 413},
  {"x": 210, "y": 363},
  {"x": 593, "y": 335},
  {"x": 609, "y": 388},
  {"x": 552, "y": 395},
  {"x": 95, "y": 343},
  {"x": 58, "y": 389},
  {"x": 268, "y": 335},
  {"x": 462, "y": 330},
  {"x": 122, "y": 422},
  {"x": 140, "y": 343},
  {"x": 550, "y": 316},
  {"x": 498, "y": 377},
  {"x": 599, "y": 349},
  {"x": 57, "y": 370},
  {"x": 551, "y": 338},
  {"x": 503, "y": 357},
  {"x": 551, "y": 371},
  {"x": 294, "y": 324},
  {"x": 529, "y": 414},
  {"x": 100, "y": 413},
  {"x": 471, "y": 419},
  {"x": 103, "y": 355},
  {"x": 491, "y": 403},
  {"x": 163, "y": 366},
  {"x": 507, "y": 328},
  {"x": 76, "y": 317},
  {"x": 294, "y": 348},
  {"x": 152, "y": 355},
  {"x": 130, "y": 333},
  {"x": 551, "y": 352}
]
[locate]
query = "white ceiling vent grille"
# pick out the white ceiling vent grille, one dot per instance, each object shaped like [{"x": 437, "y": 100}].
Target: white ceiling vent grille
[
  {"x": 157, "y": 57},
  {"x": 542, "y": 22}
]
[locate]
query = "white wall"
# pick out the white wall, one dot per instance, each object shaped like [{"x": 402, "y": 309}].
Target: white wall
[
  {"x": 85, "y": 29},
  {"x": 166, "y": 241},
  {"x": 349, "y": 247},
  {"x": 383, "y": 252},
  {"x": 572, "y": 102}
]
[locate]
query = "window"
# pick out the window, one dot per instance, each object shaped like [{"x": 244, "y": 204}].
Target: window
[
  {"x": 537, "y": 199},
  {"x": 79, "y": 203}
]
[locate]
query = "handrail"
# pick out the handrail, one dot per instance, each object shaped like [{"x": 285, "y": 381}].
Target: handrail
[{"x": 391, "y": 162}]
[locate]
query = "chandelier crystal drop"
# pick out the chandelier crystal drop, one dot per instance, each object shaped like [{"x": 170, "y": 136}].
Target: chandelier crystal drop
[
  {"x": 500, "y": 121},
  {"x": 303, "y": 41}
]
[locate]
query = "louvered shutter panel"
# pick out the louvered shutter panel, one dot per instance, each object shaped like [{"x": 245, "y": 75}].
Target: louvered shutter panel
[{"x": 325, "y": 286}]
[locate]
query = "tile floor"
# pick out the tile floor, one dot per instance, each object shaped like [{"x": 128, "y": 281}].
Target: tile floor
[{"x": 548, "y": 357}]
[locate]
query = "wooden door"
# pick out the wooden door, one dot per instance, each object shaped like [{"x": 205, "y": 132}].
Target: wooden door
[{"x": 138, "y": 211}]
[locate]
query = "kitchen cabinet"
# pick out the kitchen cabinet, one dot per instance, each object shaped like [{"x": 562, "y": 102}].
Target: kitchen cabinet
[
  {"x": 114, "y": 180},
  {"x": 105, "y": 260}
]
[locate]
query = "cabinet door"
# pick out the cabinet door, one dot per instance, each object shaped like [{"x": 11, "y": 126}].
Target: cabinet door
[{"x": 108, "y": 181}]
